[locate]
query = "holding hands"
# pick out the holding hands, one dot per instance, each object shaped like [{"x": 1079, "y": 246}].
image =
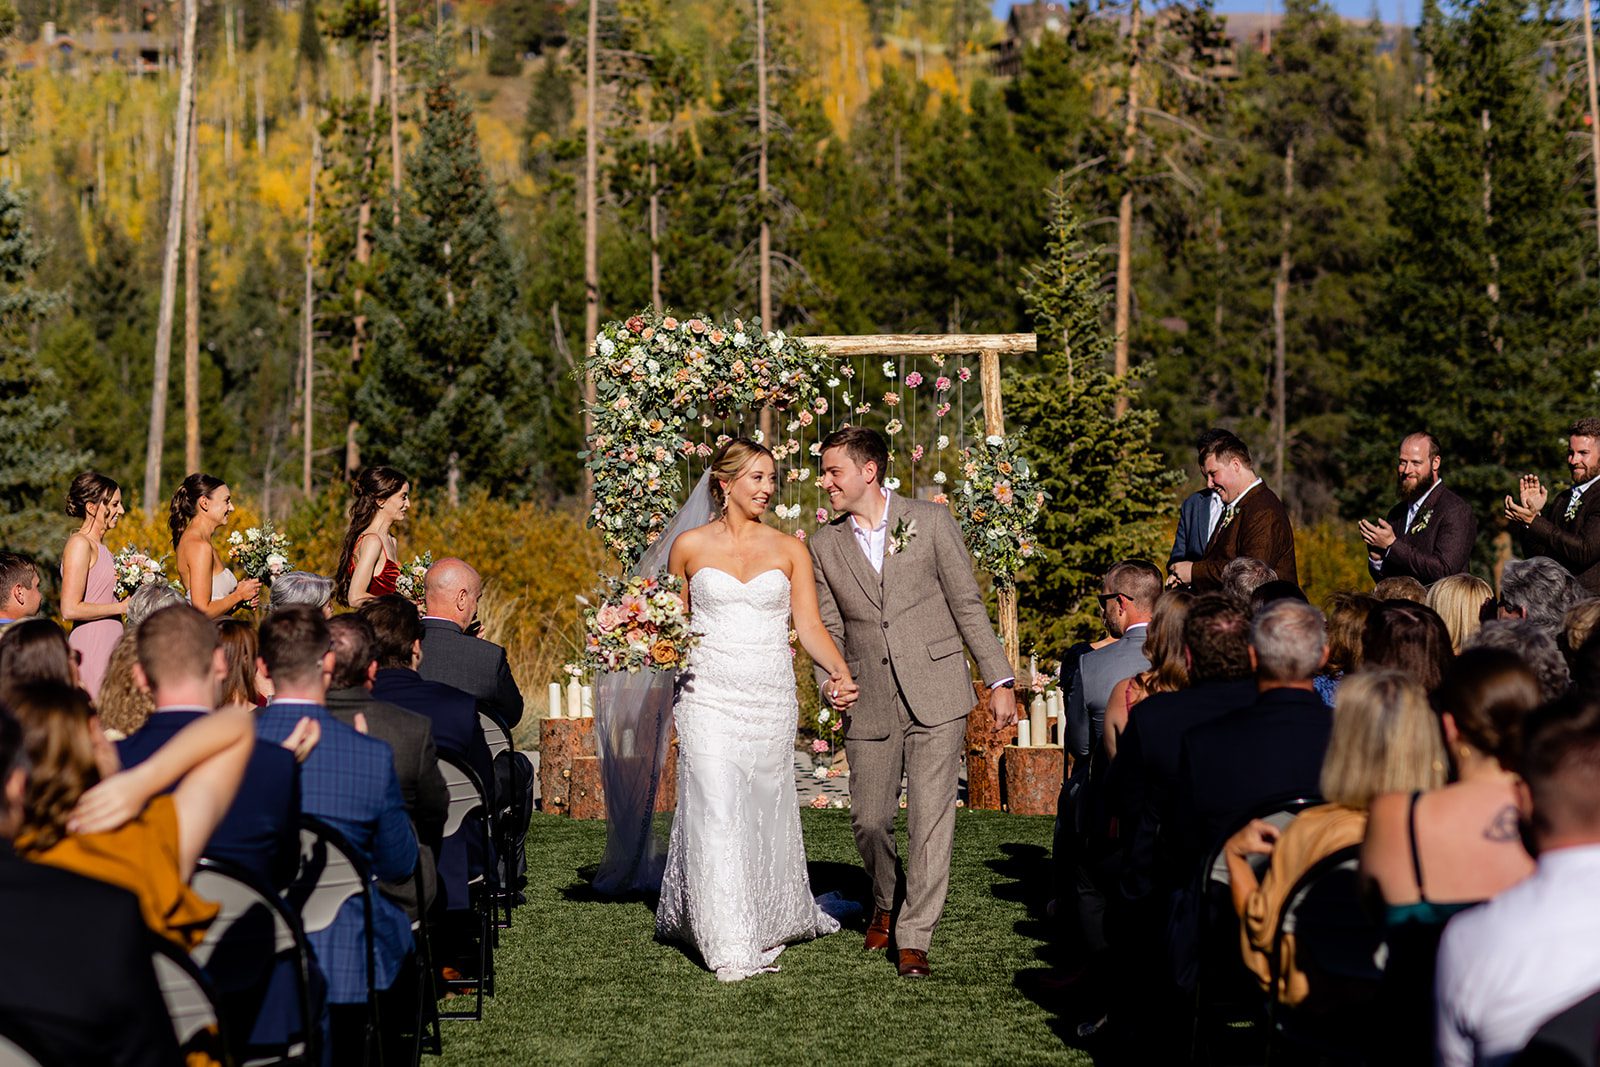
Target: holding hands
[
  {"x": 841, "y": 691},
  {"x": 1533, "y": 497}
]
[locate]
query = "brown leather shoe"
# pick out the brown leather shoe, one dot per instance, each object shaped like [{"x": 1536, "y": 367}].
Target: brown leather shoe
[
  {"x": 913, "y": 963},
  {"x": 877, "y": 931}
]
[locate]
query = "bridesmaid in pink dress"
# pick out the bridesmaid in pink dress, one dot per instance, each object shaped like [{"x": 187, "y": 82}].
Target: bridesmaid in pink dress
[
  {"x": 89, "y": 577},
  {"x": 367, "y": 566}
]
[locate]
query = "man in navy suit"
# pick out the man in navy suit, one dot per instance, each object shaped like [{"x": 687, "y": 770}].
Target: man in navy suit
[
  {"x": 397, "y": 632},
  {"x": 182, "y": 664},
  {"x": 347, "y": 780},
  {"x": 1198, "y": 516}
]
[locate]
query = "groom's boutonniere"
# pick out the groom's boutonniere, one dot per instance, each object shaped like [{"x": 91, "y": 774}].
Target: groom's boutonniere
[
  {"x": 901, "y": 536},
  {"x": 1422, "y": 522},
  {"x": 1227, "y": 518}
]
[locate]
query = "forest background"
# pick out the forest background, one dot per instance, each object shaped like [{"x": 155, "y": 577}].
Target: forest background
[{"x": 1328, "y": 237}]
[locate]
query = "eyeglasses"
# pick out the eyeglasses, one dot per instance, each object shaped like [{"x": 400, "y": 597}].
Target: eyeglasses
[{"x": 1106, "y": 598}]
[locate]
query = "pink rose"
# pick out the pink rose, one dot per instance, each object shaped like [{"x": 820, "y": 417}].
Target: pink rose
[
  {"x": 941, "y": 383},
  {"x": 965, "y": 374},
  {"x": 800, "y": 534},
  {"x": 819, "y": 746},
  {"x": 942, "y": 410},
  {"x": 819, "y": 801},
  {"x": 913, "y": 380},
  {"x": 717, "y": 337},
  {"x": 891, "y": 399},
  {"x": 697, "y": 326},
  {"x": 916, "y": 453},
  {"x": 669, "y": 323},
  {"x": 635, "y": 323},
  {"x": 822, "y": 514}
]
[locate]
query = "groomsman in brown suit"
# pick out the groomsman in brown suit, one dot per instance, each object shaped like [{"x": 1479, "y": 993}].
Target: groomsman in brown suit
[
  {"x": 1428, "y": 535},
  {"x": 1254, "y": 522},
  {"x": 1569, "y": 531}
]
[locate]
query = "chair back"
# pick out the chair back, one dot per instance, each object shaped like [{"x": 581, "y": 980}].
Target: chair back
[
  {"x": 14, "y": 1055},
  {"x": 188, "y": 995},
  {"x": 1334, "y": 936},
  {"x": 331, "y": 872},
  {"x": 493, "y": 735},
  {"x": 467, "y": 796}
]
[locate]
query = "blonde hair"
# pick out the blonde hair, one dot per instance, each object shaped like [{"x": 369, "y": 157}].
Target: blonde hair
[
  {"x": 1385, "y": 740},
  {"x": 1580, "y": 623},
  {"x": 729, "y": 461},
  {"x": 1458, "y": 599},
  {"x": 122, "y": 705}
]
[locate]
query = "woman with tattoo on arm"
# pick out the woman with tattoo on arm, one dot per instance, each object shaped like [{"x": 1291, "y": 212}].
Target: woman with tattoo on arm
[{"x": 1429, "y": 855}]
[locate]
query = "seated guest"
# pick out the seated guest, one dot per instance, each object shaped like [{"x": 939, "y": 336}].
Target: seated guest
[
  {"x": 1578, "y": 625},
  {"x": 1277, "y": 589},
  {"x": 450, "y": 655},
  {"x": 1534, "y": 645},
  {"x": 397, "y": 632},
  {"x": 1409, "y": 637},
  {"x": 1429, "y": 855},
  {"x": 35, "y": 650},
  {"x": 1384, "y": 740},
  {"x": 55, "y": 1007},
  {"x": 1269, "y": 749},
  {"x": 408, "y": 735},
  {"x": 1534, "y": 950},
  {"x": 149, "y": 599},
  {"x": 1401, "y": 589},
  {"x": 122, "y": 706},
  {"x": 19, "y": 588},
  {"x": 1243, "y": 576},
  {"x": 303, "y": 587},
  {"x": 82, "y": 814},
  {"x": 1169, "y": 666},
  {"x": 1460, "y": 600},
  {"x": 1347, "y": 620},
  {"x": 181, "y": 664},
  {"x": 242, "y": 684},
  {"x": 1539, "y": 590},
  {"x": 348, "y": 780}
]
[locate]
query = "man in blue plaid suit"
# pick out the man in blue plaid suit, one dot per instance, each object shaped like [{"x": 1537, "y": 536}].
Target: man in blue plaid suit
[{"x": 348, "y": 780}]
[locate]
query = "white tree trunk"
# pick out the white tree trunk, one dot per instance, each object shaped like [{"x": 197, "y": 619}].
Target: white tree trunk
[
  {"x": 591, "y": 227},
  {"x": 1124, "y": 293},
  {"x": 307, "y": 316},
  {"x": 191, "y": 302},
  {"x": 1280, "y": 314}
]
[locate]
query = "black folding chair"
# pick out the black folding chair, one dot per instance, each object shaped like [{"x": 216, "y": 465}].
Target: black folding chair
[
  {"x": 332, "y": 872},
  {"x": 1338, "y": 947},
  {"x": 499, "y": 742},
  {"x": 1225, "y": 992},
  {"x": 255, "y": 925},
  {"x": 469, "y": 797},
  {"x": 429, "y": 1038},
  {"x": 191, "y": 1002}
]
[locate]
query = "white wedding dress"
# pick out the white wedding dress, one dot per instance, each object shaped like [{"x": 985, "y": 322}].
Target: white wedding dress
[{"x": 735, "y": 886}]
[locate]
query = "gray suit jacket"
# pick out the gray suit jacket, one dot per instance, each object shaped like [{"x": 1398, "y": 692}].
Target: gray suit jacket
[
  {"x": 902, "y": 631},
  {"x": 473, "y": 665},
  {"x": 1098, "y": 672}
]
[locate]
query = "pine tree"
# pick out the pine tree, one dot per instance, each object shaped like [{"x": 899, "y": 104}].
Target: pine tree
[
  {"x": 1486, "y": 333},
  {"x": 310, "y": 52},
  {"x": 1110, "y": 491},
  {"x": 34, "y": 465},
  {"x": 446, "y": 394}
]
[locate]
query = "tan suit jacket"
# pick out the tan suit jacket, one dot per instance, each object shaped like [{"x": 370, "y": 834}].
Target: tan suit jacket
[{"x": 902, "y": 631}]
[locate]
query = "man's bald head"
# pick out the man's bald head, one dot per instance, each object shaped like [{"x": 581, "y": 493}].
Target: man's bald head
[{"x": 451, "y": 590}]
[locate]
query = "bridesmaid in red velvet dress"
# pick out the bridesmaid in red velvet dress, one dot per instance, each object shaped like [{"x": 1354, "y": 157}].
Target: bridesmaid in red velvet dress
[
  {"x": 367, "y": 562},
  {"x": 89, "y": 577}
]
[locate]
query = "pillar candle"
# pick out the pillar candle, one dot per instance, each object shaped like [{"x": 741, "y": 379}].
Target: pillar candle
[
  {"x": 574, "y": 700},
  {"x": 587, "y": 702},
  {"x": 1039, "y": 726},
  {"x": 555, "y": 700},
  {"x": 1023, "y": 740}
]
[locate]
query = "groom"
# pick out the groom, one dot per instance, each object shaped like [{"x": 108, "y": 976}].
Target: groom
[{"x": 896, "y": 591}]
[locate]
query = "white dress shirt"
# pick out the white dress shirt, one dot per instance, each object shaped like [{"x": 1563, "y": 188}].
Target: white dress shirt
[
  {"x": 1411, "y": 512},
  {"x": 1508, "y": 967},
  {"x": 1577, "y": 494},
  {"x": 1214, "y": 506},
  {"x": 873, "y": 541}
]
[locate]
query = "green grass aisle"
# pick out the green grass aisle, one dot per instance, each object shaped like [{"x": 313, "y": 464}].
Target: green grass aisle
[{"x": 583, "y": 981}]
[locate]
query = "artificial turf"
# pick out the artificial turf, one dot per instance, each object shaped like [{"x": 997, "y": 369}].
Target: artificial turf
[{"x": 581, "y": 980}]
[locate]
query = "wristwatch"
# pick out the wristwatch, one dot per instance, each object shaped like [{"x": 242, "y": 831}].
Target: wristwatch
[{"x": 1010, "y": 684}]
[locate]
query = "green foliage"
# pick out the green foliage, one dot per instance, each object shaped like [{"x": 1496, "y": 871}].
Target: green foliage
[
  {"x": 309, "y": 52},
  {"x": 447, "y": 394},
  {"x": 34, "y": 464},
  {"x": 1109, "y": 488},
  {"x": 521, "y": 26}
]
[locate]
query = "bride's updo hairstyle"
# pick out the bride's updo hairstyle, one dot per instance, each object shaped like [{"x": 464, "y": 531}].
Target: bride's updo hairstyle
[
  {"x": 728, "y": 462},
  {"x": 372, "y": 487},
  {"x": 186, "y": 502},
  {"x": 89, "y": 488}
]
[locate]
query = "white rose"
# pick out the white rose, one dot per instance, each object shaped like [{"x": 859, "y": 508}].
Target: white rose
[
  {"x": 236, "y": 538},
  {"x": 740, "y": 340},
  {"x": 816, "y": 448},
  {"x": 254, "y": 533},
  {"x": 824, "y": 715},
  {"x": 606, "y": 347},
  {"x": 276, "y": 563},
  {"x": 994, "y": 440},
  {"x": 833, "y": 383},
  {"x": 805, "y": 476},
  {"x": 892, "y": 484},
  {"x": 944, "y": 441},
  {"x": 820, "y": 774},
  {"x": 938, "y": 477}
]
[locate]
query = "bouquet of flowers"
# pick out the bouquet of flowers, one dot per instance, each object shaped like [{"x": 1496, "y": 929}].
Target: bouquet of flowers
[
  {"x": 409, "y": 584},
  {"x": 136, "y": 568},
  {"x": 641, "y": 624},
  {"x": 998, "y": 507},
  {"x": 260, "y": 552}
]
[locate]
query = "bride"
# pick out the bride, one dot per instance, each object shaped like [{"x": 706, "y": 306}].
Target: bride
[{"x": 735, "y": 886}]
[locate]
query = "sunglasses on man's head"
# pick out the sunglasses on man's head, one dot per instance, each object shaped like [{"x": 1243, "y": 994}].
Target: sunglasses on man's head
[{"x": 1106, "y": 598}]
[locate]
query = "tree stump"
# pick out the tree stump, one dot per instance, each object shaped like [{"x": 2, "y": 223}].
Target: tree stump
[
  {"x": 588, "y": 797},
  {"x": 1033, "y": 779},
  {"x": 560, "y": 742},
  {"x": 667, "y": 789},
  {"x": 984, "y": 745}
]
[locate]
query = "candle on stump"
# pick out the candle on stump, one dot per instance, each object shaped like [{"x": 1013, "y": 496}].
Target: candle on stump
[
  {"x": 1023, "y": 738},
  {"x": 586, "y": 702},
  {"x": 555, "y": 700},
  {"x": 1038, "y": 725},
  {"x": 574, "y": 700}
]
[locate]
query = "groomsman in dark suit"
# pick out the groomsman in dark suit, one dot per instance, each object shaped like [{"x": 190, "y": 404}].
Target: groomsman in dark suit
[
  {"x": 1197, "y": 517},
  {"x": 1428, "y": 535},
  {"x": 1253, "y": 523},
  {"x": 1569, "y": 531}
]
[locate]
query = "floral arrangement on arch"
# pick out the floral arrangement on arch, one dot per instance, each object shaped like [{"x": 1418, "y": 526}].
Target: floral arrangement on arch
[
  {"x": 656, "y": 379},
  {"x": 998, "y": 505}
]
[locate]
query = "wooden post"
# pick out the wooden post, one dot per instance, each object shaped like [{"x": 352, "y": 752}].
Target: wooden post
[
  {"x": 308, "y": 315},
  {"x": 591, "y": 233}
]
